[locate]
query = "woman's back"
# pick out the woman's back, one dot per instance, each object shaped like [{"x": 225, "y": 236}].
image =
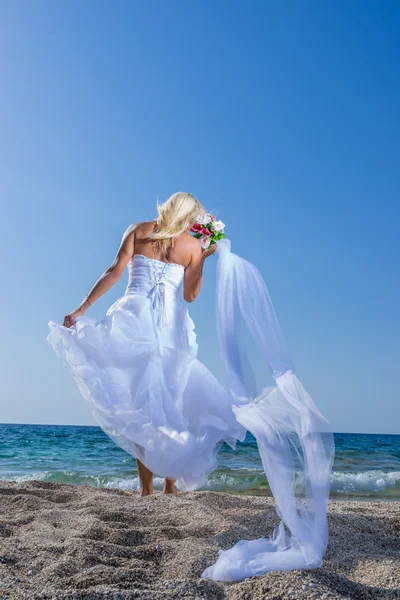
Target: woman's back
[
  {"x": 184, "y": 250},
  {"x": 180, "y": 252},
  {"x": 158, "y": 283}
]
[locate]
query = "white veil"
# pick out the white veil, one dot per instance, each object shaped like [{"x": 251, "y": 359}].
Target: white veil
[{"x": 295, "y": 441}]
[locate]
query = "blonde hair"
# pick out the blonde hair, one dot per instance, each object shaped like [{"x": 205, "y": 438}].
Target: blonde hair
[{"x": 175, "y": 215}]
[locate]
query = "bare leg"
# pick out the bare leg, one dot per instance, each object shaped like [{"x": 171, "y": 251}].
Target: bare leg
[
  {"x": 146, "y": 479},
  {"x": 169, "y": 486}
]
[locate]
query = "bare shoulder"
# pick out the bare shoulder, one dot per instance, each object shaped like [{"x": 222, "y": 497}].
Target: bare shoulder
[
  {"x": 191, "y": 240},
  {"x": 130, "y": 230},
  {"x": 195, "y": 246},
  {"x": 187, "y": 248},
  {"x": 187, "y": 242},
  {"x": 143, "y": 228},
  {"x": 128, "y": 237}
]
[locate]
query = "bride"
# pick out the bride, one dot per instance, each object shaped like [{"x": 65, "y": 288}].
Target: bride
[
  {"x": 138, "y": 371},
  {"x": 138, "y": 367}
]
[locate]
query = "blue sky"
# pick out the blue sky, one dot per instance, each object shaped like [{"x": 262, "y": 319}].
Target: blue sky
[{"x": 282, "y": 117}]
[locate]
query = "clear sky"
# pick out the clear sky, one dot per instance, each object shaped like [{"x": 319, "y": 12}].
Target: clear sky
[{"x": 282, "y": 117}]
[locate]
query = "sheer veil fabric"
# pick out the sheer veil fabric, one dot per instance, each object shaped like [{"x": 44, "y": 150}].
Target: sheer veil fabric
[{"x": 294, "y": 439}]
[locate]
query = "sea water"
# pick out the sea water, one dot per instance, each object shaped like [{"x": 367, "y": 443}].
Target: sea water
[{"x": 366, "y": 465}]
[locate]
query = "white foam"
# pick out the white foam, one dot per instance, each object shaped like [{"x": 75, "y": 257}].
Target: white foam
[
  {"x": 132, "y": 483},
  {"x": 364, "y": 482},
  {"x": 372, "y": 481},
  {"x": 28, "y": 477}
]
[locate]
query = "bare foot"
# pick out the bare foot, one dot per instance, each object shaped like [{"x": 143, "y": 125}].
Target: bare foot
[
  {"x": 146, "y": 492},
  {"x": 170, "y": 487}
]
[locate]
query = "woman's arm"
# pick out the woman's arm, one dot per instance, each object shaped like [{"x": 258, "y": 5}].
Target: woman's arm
[
  {"x": 194, "y": 272},
  {"x": 108, "y": 278}
]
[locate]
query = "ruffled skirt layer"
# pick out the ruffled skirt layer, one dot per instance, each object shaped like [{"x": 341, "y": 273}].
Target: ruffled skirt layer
[{"x": 147, "y": 390}]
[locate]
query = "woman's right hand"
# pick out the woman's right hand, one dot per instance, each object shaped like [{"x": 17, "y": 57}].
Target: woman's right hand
[
  {"x": 69, "y": 319},
  {"x": 209, "y": 251}
]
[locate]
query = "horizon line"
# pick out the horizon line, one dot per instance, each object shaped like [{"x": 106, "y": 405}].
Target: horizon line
[{"x": 98, "y": 426}]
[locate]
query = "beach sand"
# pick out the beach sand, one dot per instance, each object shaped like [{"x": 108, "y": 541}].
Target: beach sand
[{"x": 66, "y": 541}]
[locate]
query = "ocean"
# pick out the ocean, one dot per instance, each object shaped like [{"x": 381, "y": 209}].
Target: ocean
[{"x": 366, "y": 466}]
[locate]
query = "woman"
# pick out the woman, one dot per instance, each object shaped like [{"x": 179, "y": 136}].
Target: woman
[{"x": 138, "y": 368}]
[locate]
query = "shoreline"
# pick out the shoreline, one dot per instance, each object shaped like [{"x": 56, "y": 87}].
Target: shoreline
[
  {"x": 259, "y": 493},
  {"x": 77, "y": 541},
  {"x": 345, "y": 497}
]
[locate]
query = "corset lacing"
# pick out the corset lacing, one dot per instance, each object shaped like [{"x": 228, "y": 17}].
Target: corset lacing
[{"x": 157, "y": 292}]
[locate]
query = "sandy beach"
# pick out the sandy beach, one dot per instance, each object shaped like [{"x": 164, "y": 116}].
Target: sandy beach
[{"x": 66, "y": 541}]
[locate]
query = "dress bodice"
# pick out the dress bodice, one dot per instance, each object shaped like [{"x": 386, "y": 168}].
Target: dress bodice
[{"x": 160, "y": 281}]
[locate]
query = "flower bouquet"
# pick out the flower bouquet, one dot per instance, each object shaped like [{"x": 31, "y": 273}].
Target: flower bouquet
[{"x": 208, "y": 230}]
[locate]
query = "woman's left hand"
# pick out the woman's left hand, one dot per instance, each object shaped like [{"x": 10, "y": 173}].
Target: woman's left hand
[{"x": 69, "y": 319}]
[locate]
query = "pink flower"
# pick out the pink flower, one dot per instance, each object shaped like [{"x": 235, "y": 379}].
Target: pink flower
[
  {"x": 206, "y": 231},
  {"x": 196, "y": 227},
  {"x": 204, "y": 219},
  {"x": 218, "y": 225},
  {"x": 205, "y": 242}
]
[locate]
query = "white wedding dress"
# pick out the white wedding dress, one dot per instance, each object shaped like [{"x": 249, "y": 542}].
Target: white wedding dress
[{"x": 137, "y": 369}]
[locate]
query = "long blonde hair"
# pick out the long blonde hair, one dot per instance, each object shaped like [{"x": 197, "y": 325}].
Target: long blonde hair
[{"x": 175, "y": 215}]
